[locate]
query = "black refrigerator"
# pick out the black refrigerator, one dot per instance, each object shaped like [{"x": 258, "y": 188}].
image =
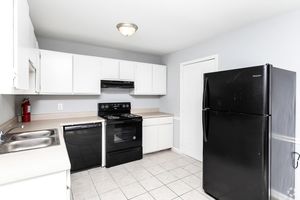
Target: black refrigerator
[{"x": 248, "y": 119}]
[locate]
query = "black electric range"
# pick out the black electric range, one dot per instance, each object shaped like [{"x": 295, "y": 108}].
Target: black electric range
[{"x": 123, "y": 133}]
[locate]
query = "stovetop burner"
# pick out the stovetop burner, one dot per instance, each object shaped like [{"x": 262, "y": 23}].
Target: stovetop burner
[
  {"x": 116, "y": 111},
  {"x": 120, "y": 116}
]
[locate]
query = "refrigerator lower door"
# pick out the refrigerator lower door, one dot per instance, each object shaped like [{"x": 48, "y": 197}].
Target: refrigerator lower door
[{"x": 235, "y": 160}]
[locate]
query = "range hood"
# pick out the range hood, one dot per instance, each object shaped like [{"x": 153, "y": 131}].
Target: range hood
[{"x": 117, "y": 84}]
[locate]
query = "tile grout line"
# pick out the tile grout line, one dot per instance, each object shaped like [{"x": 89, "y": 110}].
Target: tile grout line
[
  {"x": 94, "y": 186},
  {"x": 158, "y": 161}
]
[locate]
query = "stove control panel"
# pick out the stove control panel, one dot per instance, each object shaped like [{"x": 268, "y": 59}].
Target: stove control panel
[{"x": 122, "y": 107}]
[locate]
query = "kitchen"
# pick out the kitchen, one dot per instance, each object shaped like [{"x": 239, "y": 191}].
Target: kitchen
[{"x": 63, "y": 93}]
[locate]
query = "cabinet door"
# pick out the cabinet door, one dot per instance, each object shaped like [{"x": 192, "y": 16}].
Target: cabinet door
[
  {"x": 110, "y": 69},
  {"x": 143, "y": 79},
  {"x": 165, "y": 136},
  {"x": 37, "y": 188},
  {"x": 6, "y": 47},
  {"x": 87, "y": 75},
  {"x": 22, "y": 38},
  {"x": 56, "y": 72},
  {"x": 159, "y": 79},
  {"x": 149, "y": 139},
  {"x": 127, "y": 70}
]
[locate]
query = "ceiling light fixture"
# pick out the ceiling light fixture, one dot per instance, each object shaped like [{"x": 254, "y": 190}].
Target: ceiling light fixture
[{"x": 127, "y": 29}]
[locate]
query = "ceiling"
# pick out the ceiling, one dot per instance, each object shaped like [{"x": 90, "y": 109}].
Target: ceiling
[{"x": 165, "y": 26}]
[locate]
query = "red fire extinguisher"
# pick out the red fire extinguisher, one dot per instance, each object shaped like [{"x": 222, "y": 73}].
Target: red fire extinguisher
[{"x": 26, "y": 117}]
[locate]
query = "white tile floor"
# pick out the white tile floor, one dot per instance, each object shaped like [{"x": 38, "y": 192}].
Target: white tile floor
[{"x": 164, "y": 175}]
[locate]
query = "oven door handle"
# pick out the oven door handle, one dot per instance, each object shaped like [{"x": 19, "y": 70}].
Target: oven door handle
[{"x": 123, "y": 122}]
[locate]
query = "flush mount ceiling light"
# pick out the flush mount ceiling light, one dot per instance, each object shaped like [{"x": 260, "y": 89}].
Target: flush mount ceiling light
[{"x": 127, "y": 29}]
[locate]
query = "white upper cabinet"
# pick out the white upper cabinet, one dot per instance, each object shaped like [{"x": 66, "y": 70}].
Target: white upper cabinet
[
  {"x": 117, "y": 70},
  {"x": 6, "y": 47},
  {"x": 86, "y": 75},
  {"x": 18, "y": 48},
  {"x": 110, "y": 69},
  {"x": 56, "y": 72},
  {"x": 143, "y": 79},
  {"x": 159, "y": 79},
  {"x": 150, "y": 79},
  {"x": 25, "y": 57},
  {"x": 127, "y": 70}
]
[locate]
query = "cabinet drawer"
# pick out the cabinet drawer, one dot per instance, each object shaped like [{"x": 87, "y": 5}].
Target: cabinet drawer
[
  {"x": 166, "y": 120},
  {"x": 157, "y": 121},
  {"x": 151, "y": 121}
]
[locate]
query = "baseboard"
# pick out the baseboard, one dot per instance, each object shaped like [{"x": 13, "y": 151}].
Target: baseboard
[
  {"x": 176, "y": 150},
  {"x": 279, "y": 196}
]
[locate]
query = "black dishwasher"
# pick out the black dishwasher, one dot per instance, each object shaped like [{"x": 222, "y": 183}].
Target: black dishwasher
[{"x": 84, "y": 145}]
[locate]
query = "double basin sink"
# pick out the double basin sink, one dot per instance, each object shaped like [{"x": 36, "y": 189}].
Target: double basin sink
[{"x": 29, "y": 140}]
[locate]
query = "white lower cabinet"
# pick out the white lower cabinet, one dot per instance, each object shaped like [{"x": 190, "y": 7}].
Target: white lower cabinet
[
  {"x": 54, "y": 186},
  {"x": 157, "y": 134},
  {"x": 165, "y": 137},
  {"x": 150, "y": 139}
]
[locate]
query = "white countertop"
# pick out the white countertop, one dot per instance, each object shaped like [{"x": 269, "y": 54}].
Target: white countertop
[
  {"x": 154, "y": 114},
  {"x": 39, "y": 162}
]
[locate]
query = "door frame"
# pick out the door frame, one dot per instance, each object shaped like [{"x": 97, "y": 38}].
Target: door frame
[{"x": 181, "y": 102}]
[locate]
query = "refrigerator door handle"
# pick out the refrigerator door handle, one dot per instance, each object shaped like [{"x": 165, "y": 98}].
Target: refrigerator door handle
[
  {"x": 205, "y": 93},
  {"x": 205, "y": 124}
]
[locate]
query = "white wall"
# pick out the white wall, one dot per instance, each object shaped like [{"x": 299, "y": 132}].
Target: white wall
[
  {"x": 85, "y": 49},
  {"x": 7, "y": 108},
  {"x": 48, "y": 104},
  {"x": 275, "y": 41}
]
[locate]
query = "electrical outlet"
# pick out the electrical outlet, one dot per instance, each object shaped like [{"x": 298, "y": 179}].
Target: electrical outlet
[{"x": 60, "y": 106}]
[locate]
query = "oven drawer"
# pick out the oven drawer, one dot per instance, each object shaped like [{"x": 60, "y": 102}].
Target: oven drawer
[{"x": 123, "y": 156}]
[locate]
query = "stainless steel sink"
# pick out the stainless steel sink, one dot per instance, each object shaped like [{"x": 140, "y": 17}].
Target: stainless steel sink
[
  {"x": 29, "y": 140},
  {"x": 32, "y": 135}
]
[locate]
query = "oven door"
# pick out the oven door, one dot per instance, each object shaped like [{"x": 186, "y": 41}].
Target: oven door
[{"x": 123, "y": 134}]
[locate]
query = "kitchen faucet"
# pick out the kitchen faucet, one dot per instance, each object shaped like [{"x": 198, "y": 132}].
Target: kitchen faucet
[{"x": 2, "y": 133}]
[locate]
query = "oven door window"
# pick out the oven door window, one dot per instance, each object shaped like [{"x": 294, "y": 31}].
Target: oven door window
[{"x": 123, "y": 135}]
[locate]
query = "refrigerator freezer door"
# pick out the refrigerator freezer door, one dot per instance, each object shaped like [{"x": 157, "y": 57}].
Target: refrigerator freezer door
[
  {"x": 242, "y": 90},
  {"x": 235, "y": 157}
]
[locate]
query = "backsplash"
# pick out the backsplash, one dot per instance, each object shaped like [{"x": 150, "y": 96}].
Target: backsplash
[
  {"x": 41, "y": 104},
  {"x": 7, "y": 108}
]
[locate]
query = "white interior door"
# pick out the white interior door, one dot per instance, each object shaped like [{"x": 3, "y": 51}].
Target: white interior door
[{"x": 191, "y": 105}]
